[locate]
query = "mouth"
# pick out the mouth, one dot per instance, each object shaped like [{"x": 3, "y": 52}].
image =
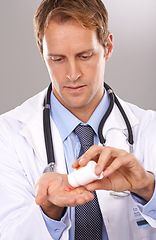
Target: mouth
[{"x": 75, "y": 88}]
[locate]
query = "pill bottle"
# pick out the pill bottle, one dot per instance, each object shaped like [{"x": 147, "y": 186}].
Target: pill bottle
[{"x": 83, "y": 175}]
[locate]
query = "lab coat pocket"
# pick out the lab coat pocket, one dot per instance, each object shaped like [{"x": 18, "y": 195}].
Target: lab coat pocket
[{"x": 141, "y": 229}]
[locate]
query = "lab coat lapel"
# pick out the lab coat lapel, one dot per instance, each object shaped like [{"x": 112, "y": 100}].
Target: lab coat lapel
[
  {"x": 34, "y": 133},
  {"x": 60, "y": 166},
  {"x": 30, "y": 114}
]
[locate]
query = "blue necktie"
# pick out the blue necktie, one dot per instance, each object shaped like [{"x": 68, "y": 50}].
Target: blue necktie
[{"x": 88, "y": 218}]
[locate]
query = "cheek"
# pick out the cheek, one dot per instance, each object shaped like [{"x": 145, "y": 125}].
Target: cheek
[
  {"x": 49, "y": 68},
  {"x": 95, "y": 73},
  {"x": 89, "y": 70},
  {"x": 54, "y": 72},
  {"x": 96, "y": 68},
  {"x": 100, "y": 69}
]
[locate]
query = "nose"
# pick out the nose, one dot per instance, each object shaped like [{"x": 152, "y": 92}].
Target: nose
[{"x": 73, "y": 71}]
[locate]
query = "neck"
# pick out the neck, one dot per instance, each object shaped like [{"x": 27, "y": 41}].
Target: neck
[{"x": 84, "y": 114}]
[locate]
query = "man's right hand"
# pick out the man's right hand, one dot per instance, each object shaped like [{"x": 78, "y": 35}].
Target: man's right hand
[{"x": 53, "y": 198}]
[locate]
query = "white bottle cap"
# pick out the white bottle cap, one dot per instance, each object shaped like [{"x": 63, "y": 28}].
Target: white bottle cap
[{"x": 83, "y": 175}]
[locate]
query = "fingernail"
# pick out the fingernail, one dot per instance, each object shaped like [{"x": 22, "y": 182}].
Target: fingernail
[
  {"x": 81, "y": 160},
  {"x": 67, "y": 188},
  {"x": 98, "y": 170},
  {"x": 106, "y": 173}
]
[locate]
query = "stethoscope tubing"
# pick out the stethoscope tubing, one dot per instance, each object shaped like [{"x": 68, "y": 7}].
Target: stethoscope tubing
[{"x": 47, "y": 126}]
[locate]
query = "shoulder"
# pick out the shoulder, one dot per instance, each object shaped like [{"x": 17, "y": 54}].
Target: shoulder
[
  {"x": 146, "y": 128},
  {"x": 14, "y": 120},
  {"x": 25, "y": 111},
  {"x": 145, "y": 117}
]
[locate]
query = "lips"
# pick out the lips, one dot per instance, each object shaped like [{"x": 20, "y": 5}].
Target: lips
[
  {"x": 75, "y": 87},
  {"x": 75, "y": 90}
]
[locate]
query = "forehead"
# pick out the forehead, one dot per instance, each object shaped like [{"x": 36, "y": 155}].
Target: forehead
[{"x": 68, "y": 36}]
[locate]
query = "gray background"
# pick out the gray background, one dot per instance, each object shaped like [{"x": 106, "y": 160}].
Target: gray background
[{"x": 131, "y": 71}]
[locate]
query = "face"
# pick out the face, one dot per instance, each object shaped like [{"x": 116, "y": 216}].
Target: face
[{"x": 76, "y": 63}]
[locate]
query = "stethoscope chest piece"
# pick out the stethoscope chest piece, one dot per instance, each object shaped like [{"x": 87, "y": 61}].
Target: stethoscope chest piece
[
  {"x": 49, "y": 167},
  {"x": 120, "y": 194}
]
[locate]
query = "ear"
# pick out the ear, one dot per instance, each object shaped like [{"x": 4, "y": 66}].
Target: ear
[{"x": 109, "y": 46}]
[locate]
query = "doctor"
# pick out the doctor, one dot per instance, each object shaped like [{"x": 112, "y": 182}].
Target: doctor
[{"x": 75, "y": 44}]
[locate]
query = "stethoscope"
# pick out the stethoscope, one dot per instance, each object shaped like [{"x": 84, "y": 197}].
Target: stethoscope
[{"x": 48, "y": 133}]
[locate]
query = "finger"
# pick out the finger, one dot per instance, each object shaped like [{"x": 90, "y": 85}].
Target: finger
[
  {"x": 73, "y": 198},
  {"x": 42, "y": 188},
  {"x": 64, "y": 201},
  {"x": 76, "y": 163},
  {"x": 91, "y": 154},
  {"x": 84, "y": 197},
  {"x": 106, "y": 157},
  {"x": 119, "y": 162},
  {"x": 103, "y": 184},
  {"x": 41, "y": 193}
]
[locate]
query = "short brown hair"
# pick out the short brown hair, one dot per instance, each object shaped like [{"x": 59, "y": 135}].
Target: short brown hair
[{"x": 91, "y": 14}]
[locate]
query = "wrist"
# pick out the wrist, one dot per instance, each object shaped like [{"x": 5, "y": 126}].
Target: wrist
[
  {"x": 147, "y": 189},
  {"x": 52, "y": 211}
]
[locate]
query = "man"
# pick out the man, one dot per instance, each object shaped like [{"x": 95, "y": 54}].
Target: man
[{"x": 75, "y": 43}]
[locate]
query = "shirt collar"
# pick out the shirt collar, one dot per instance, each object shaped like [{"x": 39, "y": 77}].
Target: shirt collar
[{"x": 66, "y": 122}]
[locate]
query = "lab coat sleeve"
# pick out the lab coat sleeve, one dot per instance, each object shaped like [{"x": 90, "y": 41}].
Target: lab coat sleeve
[
  {"x": 20, "y": 217},
  {"x": 148, "y": 209}
]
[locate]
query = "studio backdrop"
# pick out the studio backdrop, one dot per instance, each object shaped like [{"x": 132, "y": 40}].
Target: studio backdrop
[{"x": 131, "y": 71}]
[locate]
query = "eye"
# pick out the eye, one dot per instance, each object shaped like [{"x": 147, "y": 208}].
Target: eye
[
  {"x": 57, "y": 59},
  {"x": 86, "y": 56}
]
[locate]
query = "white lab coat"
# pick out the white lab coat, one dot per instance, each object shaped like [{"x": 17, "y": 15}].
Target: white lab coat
[{"x": 23, "y": 159}]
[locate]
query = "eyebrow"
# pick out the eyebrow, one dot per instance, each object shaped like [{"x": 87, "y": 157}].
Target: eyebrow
[{"x": 77, "y": 54}]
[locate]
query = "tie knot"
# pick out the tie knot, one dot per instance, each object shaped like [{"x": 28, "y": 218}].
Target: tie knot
[{"x": 85, "y": 133}]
